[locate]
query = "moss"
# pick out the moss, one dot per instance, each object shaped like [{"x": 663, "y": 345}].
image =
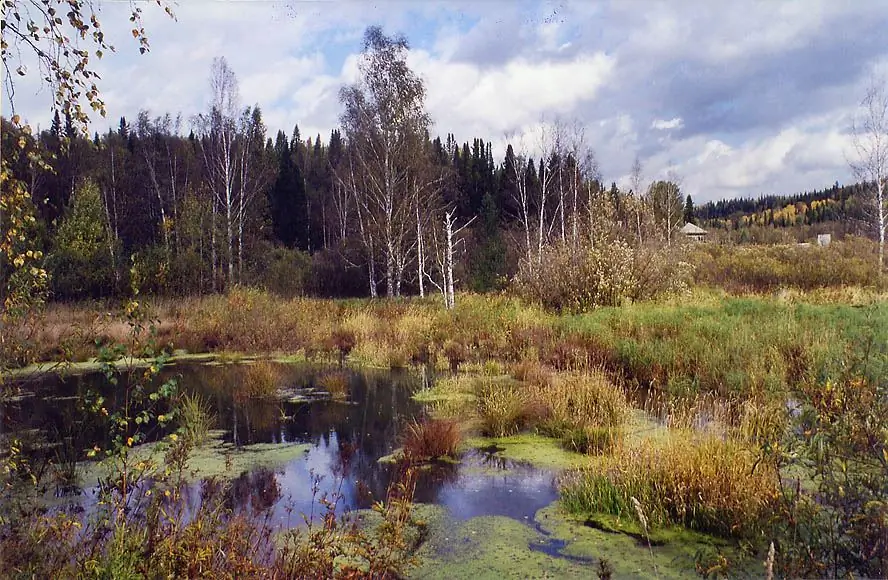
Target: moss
[{"x": 541, "y": 452}]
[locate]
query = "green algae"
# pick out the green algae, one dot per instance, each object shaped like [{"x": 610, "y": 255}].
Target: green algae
[
  {"x": 537, "y": 450},
  {"x": 488, "y": 547},
  {"x": 558, "y": 545},
  {"x": 674, "y": 552},
  {"x": 214, "y": 458}
]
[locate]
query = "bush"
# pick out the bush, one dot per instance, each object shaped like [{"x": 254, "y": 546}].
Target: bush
[
  {"x": 604, "y": 274},
  {"x": 283, "y": 271}
]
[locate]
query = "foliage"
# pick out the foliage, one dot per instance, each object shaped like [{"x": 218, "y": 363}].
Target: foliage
[
  {"x": 338, "y": 547},
  {"x": 81, "y": 263},
  {"x": 607, "y": 273},
  {"x": 25, "y": 284},
  {"x": 835, "y": 476},
  {"x": 51, "y": 32}
]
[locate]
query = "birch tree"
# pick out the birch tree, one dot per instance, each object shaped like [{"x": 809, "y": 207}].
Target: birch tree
[
  {"x": 231, "y": 142},
  {"x": 445, "y": 254},
  {"x": 384, "y": 123},
  {"x": 870, "y": 166},
  {"x": 666, "y": 204}
]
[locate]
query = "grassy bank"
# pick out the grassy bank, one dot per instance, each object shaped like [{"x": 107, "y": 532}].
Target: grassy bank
[{"x": 706, "y": 342}]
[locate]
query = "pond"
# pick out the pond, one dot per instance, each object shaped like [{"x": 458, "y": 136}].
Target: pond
[
  {"x": 343, "y": 438},
  {"x": 490, "y": 515}
]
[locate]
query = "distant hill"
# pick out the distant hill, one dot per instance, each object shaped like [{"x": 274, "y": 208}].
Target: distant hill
[{"x": 839, "y": 203}]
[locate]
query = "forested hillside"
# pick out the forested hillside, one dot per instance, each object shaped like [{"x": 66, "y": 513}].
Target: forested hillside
[{"x": 840, "y": 208}]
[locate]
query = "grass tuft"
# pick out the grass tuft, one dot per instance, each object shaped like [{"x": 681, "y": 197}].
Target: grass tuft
[{"x": 432, "y": 439}]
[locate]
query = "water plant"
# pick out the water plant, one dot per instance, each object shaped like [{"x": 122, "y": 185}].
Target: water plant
[
  {"x": 701, "y": 482},
  {"x": 431, "y": 439}
]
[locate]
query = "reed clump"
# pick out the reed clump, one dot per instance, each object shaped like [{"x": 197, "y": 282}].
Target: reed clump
[
  {"x": 503, "y": 409},
  {"x": 260, "y": 380},
  {"x": 337, "y": 383},
  {"x": 196, "y": 419},
  {"x": 432, "y": 439},
  {"x": 704, "y": 483}
]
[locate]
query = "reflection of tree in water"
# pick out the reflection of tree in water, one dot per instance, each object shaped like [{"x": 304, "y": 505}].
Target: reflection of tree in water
[{"x": 257, "y": 489}]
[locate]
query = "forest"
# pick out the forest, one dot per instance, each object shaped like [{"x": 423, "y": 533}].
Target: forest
[{"x": 206, "y": 203}]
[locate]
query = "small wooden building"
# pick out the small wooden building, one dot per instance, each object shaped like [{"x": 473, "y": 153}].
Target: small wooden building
[{"x": 694, "y": 232}]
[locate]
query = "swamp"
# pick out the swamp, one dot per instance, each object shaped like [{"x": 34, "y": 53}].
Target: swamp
[{"x": 547, "y": 290}]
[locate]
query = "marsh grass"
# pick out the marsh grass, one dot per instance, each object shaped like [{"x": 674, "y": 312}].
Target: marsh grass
[
  {"x": 701, "y": 482},
  {"x": 432, "y": 439},
  {"x": 196, "y": 419},
  {"x": 707, "y": 342},
  {"x": 503, "y": 409},
  {"x": 593, "y": 440},
  {"x": 260, "y": 380},
  {"x": 337, "y": 383}
]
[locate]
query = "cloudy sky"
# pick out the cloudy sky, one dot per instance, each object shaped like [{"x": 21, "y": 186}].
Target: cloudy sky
[{"x": 739, "y": 98}]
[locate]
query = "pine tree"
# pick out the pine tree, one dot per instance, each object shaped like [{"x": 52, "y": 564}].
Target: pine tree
[{"x": 689, "y": 211}]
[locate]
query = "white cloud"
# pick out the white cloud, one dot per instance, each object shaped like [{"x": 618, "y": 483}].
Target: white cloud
[
  {"x": 663, "y": 125},
  {"x": 490, "y": 69}
]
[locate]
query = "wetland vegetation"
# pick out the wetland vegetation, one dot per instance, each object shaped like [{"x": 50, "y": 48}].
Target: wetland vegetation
[
  {"x": 678, "y": 436},
  {"x": 201, "y": 379}
]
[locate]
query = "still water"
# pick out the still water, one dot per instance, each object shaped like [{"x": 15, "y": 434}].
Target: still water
[{"x": 346, "y": 436}]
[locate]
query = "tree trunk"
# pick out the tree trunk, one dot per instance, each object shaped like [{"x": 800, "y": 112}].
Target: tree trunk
[
  {"x": 450, "y": 302},
  {"x": 420, "y": 257}
]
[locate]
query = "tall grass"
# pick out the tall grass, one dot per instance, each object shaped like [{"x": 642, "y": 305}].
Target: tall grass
[
  {"x": 704, "y": 483},
  {"x": 432, "y": 439},
  {"x": 196, "y": 419},
  {"x": 504, "y": 409}
]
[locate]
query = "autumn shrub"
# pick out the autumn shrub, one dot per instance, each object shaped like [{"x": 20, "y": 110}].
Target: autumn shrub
[
  {"x": 431, "y": 439},
  {"x": 338, "y": 546},
  {"x": 342, "y": 341},
  {"x": 834, "y": 474},
  {"x": 456, "y": 353},
  {"x": 704, "y": 483},
  {"x": 608, "y": 273}
]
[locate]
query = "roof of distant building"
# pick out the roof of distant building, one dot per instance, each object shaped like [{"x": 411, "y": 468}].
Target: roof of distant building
[{"x": 690, "y": 229}]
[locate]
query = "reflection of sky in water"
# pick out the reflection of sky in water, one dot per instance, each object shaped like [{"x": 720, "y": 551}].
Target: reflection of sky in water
[{"x": 347, "y": 440}]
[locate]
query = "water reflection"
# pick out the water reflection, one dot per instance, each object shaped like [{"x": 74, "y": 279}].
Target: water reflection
[{"x": 347, "y": 438}]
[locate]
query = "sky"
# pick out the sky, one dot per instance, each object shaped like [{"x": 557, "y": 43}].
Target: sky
[{"x": 736, "y": 98}]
